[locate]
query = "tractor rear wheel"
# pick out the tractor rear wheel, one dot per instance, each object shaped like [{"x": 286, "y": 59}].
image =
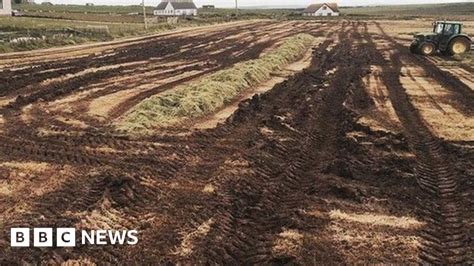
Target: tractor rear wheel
[
  {"x": 427, "y": 49},
  {"x": 459, "y": 46}
]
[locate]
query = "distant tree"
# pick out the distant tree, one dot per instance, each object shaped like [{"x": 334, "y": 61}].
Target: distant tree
[{"x": 23, "y": 2}]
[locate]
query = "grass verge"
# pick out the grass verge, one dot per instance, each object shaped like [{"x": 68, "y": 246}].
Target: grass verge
[{"x": 210, "y": 93}]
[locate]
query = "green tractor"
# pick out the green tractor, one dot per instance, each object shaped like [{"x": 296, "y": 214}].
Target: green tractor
[{"x": 447, "y": 37}]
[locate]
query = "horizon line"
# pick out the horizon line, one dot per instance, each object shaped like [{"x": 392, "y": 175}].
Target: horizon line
[{"x": 277, "y": 6}]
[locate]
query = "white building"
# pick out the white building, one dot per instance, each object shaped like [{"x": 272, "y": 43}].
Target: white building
[
  {"x": 324, "y": 9},
  {"x": 176, "y": 8},
  {"x": 5, "y": 8}
]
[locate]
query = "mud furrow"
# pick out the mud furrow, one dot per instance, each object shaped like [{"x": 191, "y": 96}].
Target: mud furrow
[
  {"x": 445, "y": 239},
  {"x": 272, "y": 207}
]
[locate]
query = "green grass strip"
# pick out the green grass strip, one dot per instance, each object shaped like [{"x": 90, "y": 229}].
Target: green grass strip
[{"x": 208, "y": 94}]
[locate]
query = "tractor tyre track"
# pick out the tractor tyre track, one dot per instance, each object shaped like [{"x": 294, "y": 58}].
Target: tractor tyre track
[{"x": 444, "y": 237}]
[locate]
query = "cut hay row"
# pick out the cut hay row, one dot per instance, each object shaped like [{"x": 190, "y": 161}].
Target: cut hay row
[{"x": 208, "y": 94}]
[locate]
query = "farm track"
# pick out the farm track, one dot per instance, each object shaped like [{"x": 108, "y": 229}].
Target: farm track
[
  {"x": 227, "y": 195},
  {"x": 445, "y": 238}
]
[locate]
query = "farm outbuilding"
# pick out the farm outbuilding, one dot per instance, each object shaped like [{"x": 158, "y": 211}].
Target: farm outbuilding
[
  {"x": 323, "y": 9},
  {"x": 5, "y": 8},
  {"x": 176, "y": 8}
]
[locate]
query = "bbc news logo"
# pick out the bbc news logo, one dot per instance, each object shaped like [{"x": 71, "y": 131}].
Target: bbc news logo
[{"x": 66, "y": 237}]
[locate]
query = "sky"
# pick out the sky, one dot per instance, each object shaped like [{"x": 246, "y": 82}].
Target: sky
[{"x": 230, "y": 3}]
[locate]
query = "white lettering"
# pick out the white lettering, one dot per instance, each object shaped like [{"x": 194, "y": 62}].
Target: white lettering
[
  {"x": 101, "y": 235},
  {"x": 89, "y": 237},
  {"x": 132, "y": 235}
]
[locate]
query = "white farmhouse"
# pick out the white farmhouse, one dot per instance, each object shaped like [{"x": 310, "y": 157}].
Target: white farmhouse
[
  {"x": 324, "y": 9},
  {"x": 176, "y": 8},
  {"x": 5, "y": 8}
]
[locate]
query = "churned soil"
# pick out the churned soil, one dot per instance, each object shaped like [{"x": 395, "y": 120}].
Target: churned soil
[{"x": 339, "y": 163}]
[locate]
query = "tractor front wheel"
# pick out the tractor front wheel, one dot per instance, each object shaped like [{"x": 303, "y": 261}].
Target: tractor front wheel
[
  {"x": 414, "y": 48},
  {"x": 459, "y": 46},
  {"x": 427, "y": 49}
]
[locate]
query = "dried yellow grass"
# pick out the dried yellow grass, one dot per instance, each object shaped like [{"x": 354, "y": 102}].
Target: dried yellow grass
[
  {"x": 288, "y": 243},
  {"x": 187, "y": 244},
  {"x": 376, "y": 219},
  {"x": 208, "y": 94},
  {"x": 79, "y": 262}
]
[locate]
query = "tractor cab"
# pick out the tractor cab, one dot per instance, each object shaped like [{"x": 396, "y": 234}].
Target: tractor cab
[
  {"x": 447, "y": 37},
  {"x": 447, "y": 28}
]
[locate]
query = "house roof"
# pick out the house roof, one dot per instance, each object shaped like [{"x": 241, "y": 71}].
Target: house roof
[
  {"x": 161, "y": 6},
  {"x": 176, "y": 5},
  {"x": 183, "y": 5},
  {"x": 315, "y": 7}
]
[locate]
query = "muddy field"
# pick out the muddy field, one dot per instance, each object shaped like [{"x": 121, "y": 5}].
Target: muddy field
[{"x": 365, "y": 156}]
